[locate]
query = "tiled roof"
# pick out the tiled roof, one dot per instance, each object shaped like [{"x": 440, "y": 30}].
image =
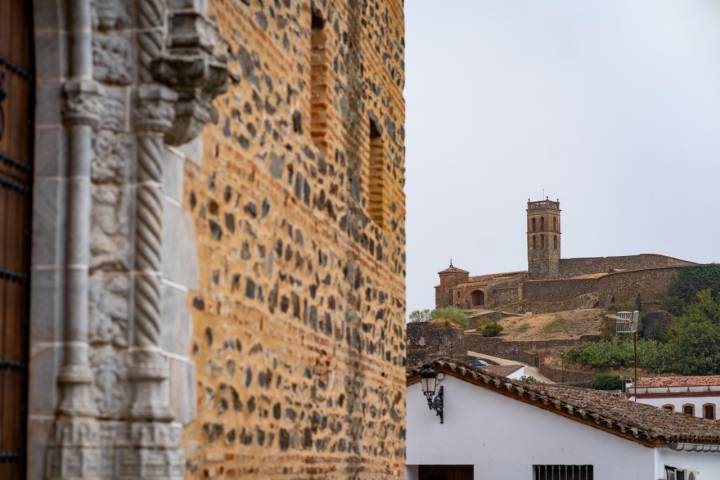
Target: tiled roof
[
  {"x": 452, "y": 269},
  {"x": 642, "y": 423},
  {"x": 661, "y": 382},
  {"x": 501, "y": 370}
]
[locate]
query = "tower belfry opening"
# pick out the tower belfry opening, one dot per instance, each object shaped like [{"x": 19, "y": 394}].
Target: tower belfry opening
[{"x": 543, "y": 218}]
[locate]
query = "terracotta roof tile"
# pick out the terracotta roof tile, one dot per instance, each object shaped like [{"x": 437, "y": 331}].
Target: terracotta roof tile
[
  {"x": 501, "y": 370},
  {"x": 660, "y": 382},
  {"x": 611, "y": 412}
]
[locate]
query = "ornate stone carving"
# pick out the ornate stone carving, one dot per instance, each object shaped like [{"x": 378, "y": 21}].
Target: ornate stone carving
[
  {"x": 82, "y": 103},
  {"x": 110, "y": 242},
  {"x": 114, "y": 109},
  {"x": 109, "y": 385},
  {"x": 110, "y": 14},
  {"x": 111, "y": 59},
  {"x": 113, "y": 154},
  {"x": 109, "y": 308},
  {"x": 194, "y": 68}
]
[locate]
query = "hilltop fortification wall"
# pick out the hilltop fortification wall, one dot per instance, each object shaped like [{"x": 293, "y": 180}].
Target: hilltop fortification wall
[{"x": 572, "y": 267}]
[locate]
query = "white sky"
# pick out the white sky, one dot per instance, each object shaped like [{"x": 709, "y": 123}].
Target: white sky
[{"x": 611, "y": 105}]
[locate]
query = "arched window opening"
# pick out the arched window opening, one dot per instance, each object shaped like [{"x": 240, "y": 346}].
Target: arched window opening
[
  {"x": 533, "y": 224},
  {"x": 689, "y": 409},
  {"x": 478, "y": 298},
  {"x": 555, "y": 229},
  {"x": 542, "y": 241},
  {"x": 555, "y": 241},
  {"x": 709, "y": 411},
  {"x": 534, "y": 242},
  {"x": 668, "y": 407},
  {"x": 542, "y": 223}
]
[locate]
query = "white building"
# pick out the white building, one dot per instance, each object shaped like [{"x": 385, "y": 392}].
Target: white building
[
  {"x": 698, "y": 396},
  {"x": 513, "y": 371},
  {"x": 496, "y": 428}
]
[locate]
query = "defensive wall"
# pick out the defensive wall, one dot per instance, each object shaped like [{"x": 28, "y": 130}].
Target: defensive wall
[{"x": 572, "y": 267}]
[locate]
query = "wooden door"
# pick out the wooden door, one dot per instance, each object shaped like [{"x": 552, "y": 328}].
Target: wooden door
[
  {"x": 445, "y": 472},
  {"x": 16, "y": 106}
]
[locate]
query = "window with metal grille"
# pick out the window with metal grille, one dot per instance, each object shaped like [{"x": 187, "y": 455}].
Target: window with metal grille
[
  {"x": 709, "y": 411},
  {"x": 562, "y": 472}
]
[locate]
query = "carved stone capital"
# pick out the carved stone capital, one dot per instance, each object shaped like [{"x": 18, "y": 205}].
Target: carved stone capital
[
  {"x": 154, "y": 108},
  {"x": 82, "y": 105},
  {"x": 198, "y": 79},
  {"x": 191, "y": 29}
]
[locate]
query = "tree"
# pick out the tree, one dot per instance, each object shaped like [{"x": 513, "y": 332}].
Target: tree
[
  {"x": 688, "y": 282},
  {"x": 420, "y": 315},
  {"x": 607, "y": 381}
]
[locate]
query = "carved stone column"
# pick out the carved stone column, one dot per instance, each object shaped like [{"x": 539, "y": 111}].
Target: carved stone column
[
  {"x": 81, "y": 113},
  {"x": 153, "y": 116}
]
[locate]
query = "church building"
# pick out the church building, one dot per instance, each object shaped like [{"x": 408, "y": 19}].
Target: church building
[{"x": 552, "y": 283}]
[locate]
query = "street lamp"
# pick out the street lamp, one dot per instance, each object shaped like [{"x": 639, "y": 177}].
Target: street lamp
[{"x": 429, "y": 379}]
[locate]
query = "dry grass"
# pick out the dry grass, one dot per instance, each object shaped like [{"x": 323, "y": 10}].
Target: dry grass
[{"x": 556, "y": 325}]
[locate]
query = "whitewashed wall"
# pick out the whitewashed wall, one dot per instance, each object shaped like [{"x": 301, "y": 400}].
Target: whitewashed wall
[
  {"x": 503, "y": 438},
  {"x": 678, "y": 402}
]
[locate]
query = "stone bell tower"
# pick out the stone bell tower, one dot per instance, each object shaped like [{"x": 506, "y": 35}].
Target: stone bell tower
[{"x": 543, "y": 238}]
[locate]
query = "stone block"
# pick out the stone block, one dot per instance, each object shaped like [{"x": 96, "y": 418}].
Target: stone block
[
  {"x": 180, "y": 262},
  {"x": 40, "y": 429},
  {"x": 176, "y": 321},
  {"x": 46, "y": 291},
  {"x": 50, "y": 56},
  {"x": 193, "y": 150},
  {"x": 183, "y": 388},
  {"x": 48, "y": 221},
  {"x": 48, "y": 99},
  {"x": 50, "y": 152},
  {"x": 45, "y": 361},
  {"x": 173, "y": 174},
  {"x": 48, "y": 15}
]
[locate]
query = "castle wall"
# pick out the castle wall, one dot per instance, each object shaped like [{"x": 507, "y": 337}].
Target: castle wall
[
  {"x": 651, "y": 286},
  {"x": 571, "y": 267},
  {"x": 557, "y": 290},
  {"x": 298, "y": 318}
]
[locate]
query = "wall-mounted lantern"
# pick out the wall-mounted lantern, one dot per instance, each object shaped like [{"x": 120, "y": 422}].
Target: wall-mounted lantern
[{"x": 433, "y": 394}]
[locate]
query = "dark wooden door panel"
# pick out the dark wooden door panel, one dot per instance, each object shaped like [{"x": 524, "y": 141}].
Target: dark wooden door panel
[
  {"x": 16, "y": 112},
  {"x": 446, "y": 472}
]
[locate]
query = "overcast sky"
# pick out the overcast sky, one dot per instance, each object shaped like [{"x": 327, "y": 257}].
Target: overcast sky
[{"x": 613, "y": 106}]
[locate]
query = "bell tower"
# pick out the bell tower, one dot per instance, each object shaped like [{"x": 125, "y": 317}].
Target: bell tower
[{"x": 543, "y": 239}]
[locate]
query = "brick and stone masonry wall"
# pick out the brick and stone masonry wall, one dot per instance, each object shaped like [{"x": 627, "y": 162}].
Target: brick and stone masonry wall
[
  {"x": 570, "y": 267},
  {"x": 298, "y": 319}
]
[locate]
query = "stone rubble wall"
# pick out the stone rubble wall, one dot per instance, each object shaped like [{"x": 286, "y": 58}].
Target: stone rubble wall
[
  {"x": 298, "y": 314},
  {"x": 571, "y": 267}
]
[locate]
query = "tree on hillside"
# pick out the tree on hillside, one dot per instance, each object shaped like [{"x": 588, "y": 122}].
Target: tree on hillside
[{"x": 688, "y": 282}]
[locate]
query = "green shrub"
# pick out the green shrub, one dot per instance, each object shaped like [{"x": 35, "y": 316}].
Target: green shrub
[
  {"x": 492, "y": 330},
  {"x": 607, "y": 381},
  {"x": 688, "y": 282},
  {"x": 451, "y": 313}
]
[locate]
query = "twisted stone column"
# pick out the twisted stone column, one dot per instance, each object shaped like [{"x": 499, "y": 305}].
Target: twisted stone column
[{"x": 153, "y": 116}]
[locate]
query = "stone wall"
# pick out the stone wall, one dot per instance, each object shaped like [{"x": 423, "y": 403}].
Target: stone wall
[
  {"x": 646, "y": 288},
  {"x": 428, "y": 341},
  {"x": 571, "y": 267},
  {"x": 298, "y": 318},
  {"x": 557, "y": 290}
]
